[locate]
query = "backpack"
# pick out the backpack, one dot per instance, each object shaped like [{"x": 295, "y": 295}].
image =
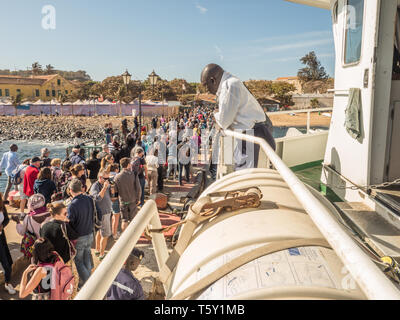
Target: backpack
[
  {"x": 16, "y": 178},
  {"x": 137, "y": 166},
  {"x": 62, "y": 279},
  {"x": 28, "y": 241}
]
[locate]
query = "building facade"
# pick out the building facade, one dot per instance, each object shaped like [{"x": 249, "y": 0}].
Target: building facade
[{"x": 34, "y": 88}]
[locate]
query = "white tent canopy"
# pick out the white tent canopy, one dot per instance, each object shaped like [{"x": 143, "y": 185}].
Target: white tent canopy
[{"x": 38, "y": 103}]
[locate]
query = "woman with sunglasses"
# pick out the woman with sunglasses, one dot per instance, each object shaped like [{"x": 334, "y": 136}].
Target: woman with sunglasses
[{"x": 58, "y": 231}]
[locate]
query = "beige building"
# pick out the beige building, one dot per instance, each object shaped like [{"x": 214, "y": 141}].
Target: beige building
[
  {"x": 292, "y": 80},
  {"x": 34, "y": 88}
]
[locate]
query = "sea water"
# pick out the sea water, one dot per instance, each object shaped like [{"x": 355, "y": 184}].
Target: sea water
[{"x": 30, "y": 149}]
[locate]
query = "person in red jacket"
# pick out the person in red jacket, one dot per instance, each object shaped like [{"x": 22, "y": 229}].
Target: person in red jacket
[{"x": 30, "y": 176}]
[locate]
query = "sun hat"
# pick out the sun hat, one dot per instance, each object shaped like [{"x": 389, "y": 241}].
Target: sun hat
[{"x": 36, "y": 201}]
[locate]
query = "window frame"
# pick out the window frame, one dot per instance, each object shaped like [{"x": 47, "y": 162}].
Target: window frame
[
  {"x": 7, "y": 92},
  {"x": 352, "y": 64},
  {"x": 53, "y": 93},
  {"x": 37, "y": 93}
]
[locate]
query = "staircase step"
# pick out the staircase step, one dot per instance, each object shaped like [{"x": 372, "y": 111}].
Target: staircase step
[{"x": 382, "y": 236}]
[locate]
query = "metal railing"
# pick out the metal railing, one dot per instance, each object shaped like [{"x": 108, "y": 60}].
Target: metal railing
[
  {"x": 370, "y": 278},
  {"x": 308, "y": 111},
  {"x": 101, "y": 280}
]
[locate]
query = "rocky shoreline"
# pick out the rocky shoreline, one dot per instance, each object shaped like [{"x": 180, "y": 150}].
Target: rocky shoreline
[{"x": 56, "y": 128}]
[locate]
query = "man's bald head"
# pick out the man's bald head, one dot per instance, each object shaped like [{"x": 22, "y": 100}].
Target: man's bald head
[{"x": 211, "y": 77}]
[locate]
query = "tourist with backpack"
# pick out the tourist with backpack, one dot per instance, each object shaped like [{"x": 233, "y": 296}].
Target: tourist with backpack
[
  {"x": 127, "y": 185},
  {"x": 5, "y": 256},
  {"x": 29, "y": 229},
  {"x": 140, "y": 168},
  {"x": 48, "y": 278},
  {"x": 9, "y": 162},
  {"x": 81, "y": 215},
  {"x": 59, "y": 232},
  {"x": 19, "y": 177}
]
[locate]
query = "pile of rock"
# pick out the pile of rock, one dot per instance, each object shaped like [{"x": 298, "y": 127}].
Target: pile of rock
[{"x": 55, "y": 129}]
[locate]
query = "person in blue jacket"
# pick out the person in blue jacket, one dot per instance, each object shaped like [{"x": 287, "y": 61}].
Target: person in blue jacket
[{"x": 126, "y": 286}]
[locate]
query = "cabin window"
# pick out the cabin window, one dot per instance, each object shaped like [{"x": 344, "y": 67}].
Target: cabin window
[{"x": 354, "y": 31}]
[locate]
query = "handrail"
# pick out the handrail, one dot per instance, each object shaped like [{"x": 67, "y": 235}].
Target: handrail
[
  {"x": 300, "y": 111},
  {"x": 372, "y": 281},
  {"x": 101, "y": 280}
]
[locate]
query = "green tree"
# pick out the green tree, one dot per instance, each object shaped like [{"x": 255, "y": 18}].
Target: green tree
[
  {"x": 16, "y": 102},
  {"x": 282, "y": 91},
  {"x": 313, "y": 71},
  {"x": 314, "y": 103},
  {"x": 260, "y": 89}
]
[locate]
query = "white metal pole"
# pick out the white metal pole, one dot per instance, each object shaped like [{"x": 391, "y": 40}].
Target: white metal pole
[
  {"x": 369, "y": 277},
  {"x": 159, "y": 244},
  {"x": 100, "y": 281}
]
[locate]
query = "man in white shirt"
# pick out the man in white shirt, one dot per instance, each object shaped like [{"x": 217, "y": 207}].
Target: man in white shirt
[{"x": 238, "y": 110}]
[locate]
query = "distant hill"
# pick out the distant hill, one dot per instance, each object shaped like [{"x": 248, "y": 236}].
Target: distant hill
[{"x": 79, "y": 75}]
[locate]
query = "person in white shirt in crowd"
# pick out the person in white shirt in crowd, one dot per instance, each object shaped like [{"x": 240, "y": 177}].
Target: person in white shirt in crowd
[
  {"x": 152, "y": 170},
  {"x": 9, "y": 162},
  {"x": 238, "y": 110},
  {"x": 172, "y": 156}
]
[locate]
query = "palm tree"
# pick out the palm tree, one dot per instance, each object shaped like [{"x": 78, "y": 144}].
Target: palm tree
[
  {"x": 16, "y": 102},
  {"x": 49, "y": 69},
  {"x": 62, "y": 98},
  {"x": 36, "y": 68}
]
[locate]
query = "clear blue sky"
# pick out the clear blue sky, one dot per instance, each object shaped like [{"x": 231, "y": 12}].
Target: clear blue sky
[{"x": 253, "y": 39}]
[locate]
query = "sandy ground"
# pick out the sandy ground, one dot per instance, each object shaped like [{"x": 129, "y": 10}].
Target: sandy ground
[{"x": 300, "y": 120}]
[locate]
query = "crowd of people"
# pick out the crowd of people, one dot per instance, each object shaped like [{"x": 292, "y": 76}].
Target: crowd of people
[{"x": 76, "y": 202}]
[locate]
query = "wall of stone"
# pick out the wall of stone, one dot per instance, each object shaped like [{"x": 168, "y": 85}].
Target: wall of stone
[{"x": 303, "y": 101}]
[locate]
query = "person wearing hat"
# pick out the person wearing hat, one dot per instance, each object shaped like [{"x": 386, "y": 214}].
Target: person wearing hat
[
  {"x": 30, "y": 176},
  {"x": 9, "y": 162},
  {"x": 38, "y": 214},
  {"x": 126, "y": 286},
  {"x": 46, "y": 161}
]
